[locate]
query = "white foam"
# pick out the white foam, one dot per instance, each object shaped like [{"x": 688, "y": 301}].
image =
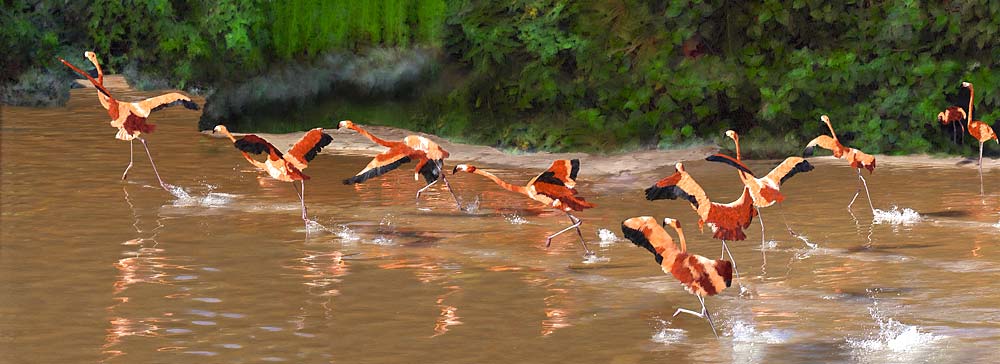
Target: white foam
[
  {"x": 382, "y": 240},
  {"x": 895, "y": 216},
  {"x": 515, "y": 219},
  {"x": 471, "y": 207},
  {"x": 607, "y": 237},
  {"x": 591, "y": 259},
  {"x": 746, "y": 332}
]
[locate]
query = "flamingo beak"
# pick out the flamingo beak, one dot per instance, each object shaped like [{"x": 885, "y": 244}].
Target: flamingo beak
[{"x": 455, "y": 170}]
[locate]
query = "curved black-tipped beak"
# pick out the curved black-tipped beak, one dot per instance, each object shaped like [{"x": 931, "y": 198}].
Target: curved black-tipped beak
[{"x": 454, "y": 170}]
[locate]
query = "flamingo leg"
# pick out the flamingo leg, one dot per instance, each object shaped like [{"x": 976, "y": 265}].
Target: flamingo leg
[
  {"x": 703, "y": 314},
  {"x": 164, "y": 185},
  {"x": 426, "y": 187},
  {"x": 763, "y": 243},
  {"x": 869, "y": 195},
  {"x": 575, "y": 225},
  {"x": 448, "y": 185},
  {"x": 302, "y": 200},
  {"x": 725, "y": 250},
  {"x": 981, "y": 192},
  {"x": 130, "y": 155}
]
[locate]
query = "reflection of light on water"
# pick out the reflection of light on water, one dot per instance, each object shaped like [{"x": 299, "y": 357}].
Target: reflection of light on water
[
  {"x": 896, "y": 216},
  {"x": 591, "y": 259},
  {"x": 895, "y": 340},
  {"x": 448, "y": 316},
  {"x": 515, "y": 219},
  {"x": 747, "y": 332},
  {"x": 346, "y": 234},
  {"x": 607, "y": 237}
]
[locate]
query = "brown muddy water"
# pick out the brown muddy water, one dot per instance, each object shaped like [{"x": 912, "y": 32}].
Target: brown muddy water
[{"x": 93, "y": 269}]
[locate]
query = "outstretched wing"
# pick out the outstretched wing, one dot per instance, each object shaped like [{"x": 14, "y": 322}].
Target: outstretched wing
[
  {"x": 722, "y": 158},
  {"x": 430, "y": 170},
  {"x": 677, "y": 185},
  {"x": 645, "y": 232},
  {"x": 562, "y": 172},
  {"x": 145, "y": 107},
  {"x": 254, "y": 144},
  {"x": 306, "y": 148},
  {"x": 951, "y": 114},
  {"x": 381, "y": 164},
  {"x": 823, "y": 141},
  {"x": 728, "y": 220},
  {"x": 788, "y": 168}
]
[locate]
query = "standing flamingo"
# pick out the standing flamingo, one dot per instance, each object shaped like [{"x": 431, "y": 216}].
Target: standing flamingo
[
  {"x": 727, "y": 221},
  {"x": 764, "y": 191},
  {"x": 428, "y": 154},
  {"x": 954, "y": 116},
  {"x": 978, "y": 129},
  {"x": 857, "y": 158},
  {"x": 556, "y": 187},
  {"x": 283, "y": 167},
  {"x": 700, "y": 276},
  {"x": 130, "y": 117}
]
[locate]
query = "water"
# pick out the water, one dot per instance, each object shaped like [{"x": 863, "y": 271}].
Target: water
[{"x": 94, "y": 269}]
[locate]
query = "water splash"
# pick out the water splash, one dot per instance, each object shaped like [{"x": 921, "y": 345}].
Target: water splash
[
  {"x": 895, "y": 216},
  {"x": 177, "y": 192},
  {"x": 746, "y": 332},
  {"x": 607, "y": 237},
  {"x": 346, "y": 234},
  {"x": 593, "y": 259},
  {"x": 210, "y": 199},
  {"x": 471, "y": 207},
  {"x": 385, "y": 227},
  {"x": 893, "y": 339},
  {"x": 515, "y": 219},
  {"x": 666, "y": 335}
]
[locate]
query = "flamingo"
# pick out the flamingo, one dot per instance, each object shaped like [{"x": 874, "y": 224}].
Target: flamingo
[
  {"x": 954, "y": 116},
  {"x": 130, "y": 117},
  {"x": 978, "y": 129},
  {"x": 764, "y": 191},
  {"x": 700, "y": 276},
  {"x": 556, "y": 187},
  {"x": 856, "y": 158},
  {"x": 428, "y": 154},
  {"x": 283, "y": 167},
  {"x": 727, "y": 221}
]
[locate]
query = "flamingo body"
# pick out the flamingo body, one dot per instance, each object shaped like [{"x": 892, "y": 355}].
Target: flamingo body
[{"x": 727, "y": 221}]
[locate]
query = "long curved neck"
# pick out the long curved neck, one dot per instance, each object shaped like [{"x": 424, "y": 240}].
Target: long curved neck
[
  {"x": 502, "y": 183},
  {"x": 739, "y": 156},
  {"x": 680, "y": 236},
  {"x": 373, "y": 138},
  {"x": 832, "y": 133},
  {"x": 972, "y": 95},
  {"x": 228, "y": 135},
  {"x": 100, "y": 72}
]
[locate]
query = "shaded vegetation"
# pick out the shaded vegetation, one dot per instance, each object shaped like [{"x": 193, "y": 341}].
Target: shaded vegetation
[{"x": 547, "y": 74}]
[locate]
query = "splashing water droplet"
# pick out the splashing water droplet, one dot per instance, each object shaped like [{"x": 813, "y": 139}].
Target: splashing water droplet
[
  {"x": 896, "y": 216},
  {"x": 515, "y": 219},
  {"x": 607, "y": 237}
]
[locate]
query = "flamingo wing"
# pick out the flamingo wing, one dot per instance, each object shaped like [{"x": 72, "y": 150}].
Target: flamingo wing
[
  {"x": 145, "y": 107},
  {"x": 307, "y": 147},
  {"x": 951, "y": 114},
  {"x": 677, "y": 185},
  {"x": 562, "y": 172},
  {"x": 722, "y": 158},
  {"x": 645, "y": 232},
  {"x": 823, "y": 141},
  {"x": 788, "y": 168},
  {"x": 381, "y": 164},
  {"x": 254, "y": 144},
  {"x": 431, "y": 170},
  {"x": 561, "y": 196},
  {"x": 729, "y": 220}
]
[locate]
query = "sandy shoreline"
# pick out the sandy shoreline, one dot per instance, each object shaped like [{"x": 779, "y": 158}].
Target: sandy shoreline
[{"x": 350, "y": 143}]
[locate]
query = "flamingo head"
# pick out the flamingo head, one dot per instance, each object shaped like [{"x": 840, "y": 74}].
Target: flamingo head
[
  {"x": 220, "y": 129},
  {"x": 463, "y": 168},
  {"x": 732, "y": 135},
  {"x": 826, "y": 119},
  {"x": 345, "y": 124},
  {"x": 671, "y": 222},
  {"x": 91, "y": 56},
  {"x": 679, "y": 167},
  {"x": 966, "y": 84}
]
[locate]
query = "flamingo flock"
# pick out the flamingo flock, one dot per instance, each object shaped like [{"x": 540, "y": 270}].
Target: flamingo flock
[{"x": 555, "y": 187}]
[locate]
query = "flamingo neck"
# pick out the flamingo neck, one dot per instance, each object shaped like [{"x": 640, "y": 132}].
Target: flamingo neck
[
  {"x": 739, "y": 156},
  {"x": 680, "y": 236},
  {"x": 502, "y": 183},
  {"x": 972, "y": 95},
  {"x": 832, "y": 133},
  {"x": 373, "y": 138},
  {"x": 229, "y": 135}
]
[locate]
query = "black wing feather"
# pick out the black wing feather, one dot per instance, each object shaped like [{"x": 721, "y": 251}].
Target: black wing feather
[
  {"x": 186, "y": 103},
  {"x": 377, "y": 171},
  {"x": 430, "y": 170},
  {"x": 802, "y": 166},
  {"x": 640, "y": 240},
  {"x": 575, "y": 163},
  {"x": 550, "y": 178},
  {"x": 728, "y": 160},
  {"x": 670, "y": 192},
  {"x": 323, "y": 141}
]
